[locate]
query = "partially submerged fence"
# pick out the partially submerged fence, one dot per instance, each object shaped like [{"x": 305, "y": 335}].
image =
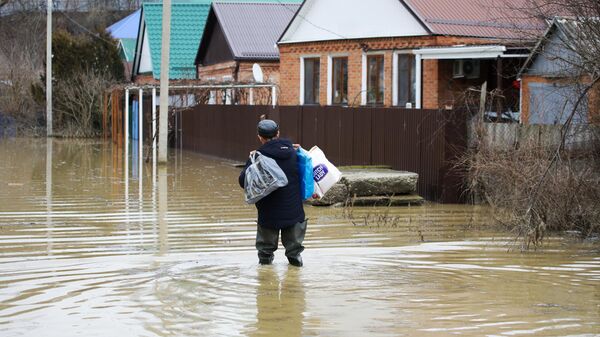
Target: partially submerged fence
[
  {"x": 578, "y": 137},
  {"x": 421, "y": 141}
]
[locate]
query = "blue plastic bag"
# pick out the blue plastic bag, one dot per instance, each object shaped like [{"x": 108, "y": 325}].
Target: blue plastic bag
[{"x": 305, "y": 173}]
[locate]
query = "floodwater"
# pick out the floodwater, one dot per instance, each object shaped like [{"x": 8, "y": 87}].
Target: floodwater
[{"x": 86, "y": 252}]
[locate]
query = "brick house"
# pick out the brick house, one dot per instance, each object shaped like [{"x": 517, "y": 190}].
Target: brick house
[
  {"x": 238, "y": 45},
  {"x": 407, "y": 53},
  {"x": 552, "y": 79},
  {"x": 238, "y": 35}
]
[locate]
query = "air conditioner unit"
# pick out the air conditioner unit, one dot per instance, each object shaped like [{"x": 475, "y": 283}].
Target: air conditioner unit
[{"x": 466, "y": 69}]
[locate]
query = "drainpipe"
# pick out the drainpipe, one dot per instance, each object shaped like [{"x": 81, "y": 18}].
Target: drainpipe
[
  {"x": 520, "y": 100},
  {"x": 418, "y": 81},
  {"x": 236, "y": 71}
]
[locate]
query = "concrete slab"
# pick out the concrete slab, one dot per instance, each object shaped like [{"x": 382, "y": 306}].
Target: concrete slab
[
  {"x": 372, "y": 186},
  {"x": 379, "y": 182}
]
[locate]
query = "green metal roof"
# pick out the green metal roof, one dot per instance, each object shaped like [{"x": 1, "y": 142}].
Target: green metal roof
[
  {"x": 127, "y": 49},
  {"x": 187, "y": 25}
]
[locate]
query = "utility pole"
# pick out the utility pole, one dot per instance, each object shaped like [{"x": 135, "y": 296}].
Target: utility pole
[
  {"x": 49, "y": 70},
  {"x": 164, "y": 83}
]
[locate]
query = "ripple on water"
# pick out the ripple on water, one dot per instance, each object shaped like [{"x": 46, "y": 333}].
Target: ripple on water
[{"x": 89, "y": 254}]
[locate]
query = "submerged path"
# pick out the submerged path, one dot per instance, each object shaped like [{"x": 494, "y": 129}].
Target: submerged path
[{"x": 86, "y": 252}]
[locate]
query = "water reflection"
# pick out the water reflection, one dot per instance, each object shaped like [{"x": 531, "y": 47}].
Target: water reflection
[
  {"x": 79, "y": 256},
  {"x": 163, "y": 209},
  {"x": 280, "y": 304},
  {"x": 49, "y": 224}
]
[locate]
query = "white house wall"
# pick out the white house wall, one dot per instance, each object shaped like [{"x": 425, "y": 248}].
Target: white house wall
[
  {"x": 321, "y": 20},
  {"x": 145, "y": 59}
]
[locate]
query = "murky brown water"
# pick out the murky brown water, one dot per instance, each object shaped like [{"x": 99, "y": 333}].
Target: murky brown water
[{"x": 83, "y": 252}]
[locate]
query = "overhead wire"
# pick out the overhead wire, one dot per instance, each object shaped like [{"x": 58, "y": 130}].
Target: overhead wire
[
  {"x": 297, "y": 13},
  {"x": 96, "y": 35}
]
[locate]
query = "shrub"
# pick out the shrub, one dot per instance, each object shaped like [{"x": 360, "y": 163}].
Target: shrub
[{"x": 536, "y": 188}]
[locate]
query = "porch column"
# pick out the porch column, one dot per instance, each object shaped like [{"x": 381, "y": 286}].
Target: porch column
[
  {"x": 140, "y": 118},
  {"x": 126, "y": 134},
  {"x": 418, "y": 81},
  {"x": 154, "y": 126},
  {"x": 126, "y": 170},
  {"x": 140, "y": 142},
  {"x": 499, "y": 99}
]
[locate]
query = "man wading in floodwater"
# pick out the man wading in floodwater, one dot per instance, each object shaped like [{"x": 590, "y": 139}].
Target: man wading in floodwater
[{"x": 282, "y": 209}]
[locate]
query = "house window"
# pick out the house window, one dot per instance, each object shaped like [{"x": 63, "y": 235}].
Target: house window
[
  {"x": 406, "y": 80},
  {"x": 340, "y": 80},
  {"x": 375, "y": 84},
  {"x": 311, "y": 80}
]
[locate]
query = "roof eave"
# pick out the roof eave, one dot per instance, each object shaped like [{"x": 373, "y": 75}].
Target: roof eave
[
  {"x": 204, "y": 36},
  {"x": 257, "y": 59},
  {"x": 227, "y": 34},
  {"x": 353, "y": 39},
  {"x": 139, "y": 42},
  {"x": 417, "y": 16},
  {"x": 534, "y": 52},
  {"x": 291, "y": 21}
]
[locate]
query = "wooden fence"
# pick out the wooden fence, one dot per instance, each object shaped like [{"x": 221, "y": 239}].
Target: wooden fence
[
  {"x": 578, "y": 137},
  {"x": 421, "y": 141}
]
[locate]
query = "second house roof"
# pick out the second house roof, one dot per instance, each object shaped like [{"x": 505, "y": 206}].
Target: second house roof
[
  {"x": 251, "y": 29},
  {"x": 187, "y": 24}
]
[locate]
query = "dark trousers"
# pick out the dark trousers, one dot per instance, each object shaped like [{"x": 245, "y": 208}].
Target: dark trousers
[{"x": 292, "y": 237}]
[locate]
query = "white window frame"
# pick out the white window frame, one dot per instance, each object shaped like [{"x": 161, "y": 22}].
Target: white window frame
[
  {"x": 302, "y": 58},
  {"x": 228, "y": 96},
  {"x": 395, "y": 76},
  {"x": 330, "y": 58},
  {"x": 363, "y": 88},
  {"x": 212, "y": 97}
]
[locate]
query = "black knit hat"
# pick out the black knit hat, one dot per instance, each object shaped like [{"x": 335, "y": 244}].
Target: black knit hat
[{"x": 267, "y": 128}]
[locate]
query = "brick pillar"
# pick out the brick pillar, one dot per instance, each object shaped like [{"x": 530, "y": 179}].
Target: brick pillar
[
  {"x": 354, "y": 76},
  {"x": 289, "y": 78},
  {"x": 525, "y": 100},
  {"x": 430, "y": 84},
  {"x": 388, "y": 78},
  {"x": 323, "y": 80}
]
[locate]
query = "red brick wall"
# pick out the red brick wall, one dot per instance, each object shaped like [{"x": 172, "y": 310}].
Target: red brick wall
[
  {"x": 432, "y": 89},
  {"x": 430, "y": 84},
  {"x": 270, "y": 72},
  {"x": 216, "y": 72},
  {"x": 145, "y": 79}
]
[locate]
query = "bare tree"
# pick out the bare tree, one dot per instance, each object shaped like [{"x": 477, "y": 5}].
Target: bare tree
[
  {"x": 80, "y": 104},
  {"x": 541, "y": 186}
]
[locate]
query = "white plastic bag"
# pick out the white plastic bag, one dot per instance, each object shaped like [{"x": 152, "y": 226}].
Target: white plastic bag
[
  {"x": 324, "y": 172},
  {"x": 263, "y": 176}
]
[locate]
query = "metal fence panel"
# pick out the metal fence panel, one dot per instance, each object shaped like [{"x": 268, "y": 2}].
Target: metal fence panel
[
  {"x": 362, "y": 137},
  {"x": 421, "y": 141}
]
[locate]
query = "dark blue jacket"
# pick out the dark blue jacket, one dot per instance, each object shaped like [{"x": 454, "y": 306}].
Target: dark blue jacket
[{"x": 283, "y": 207}]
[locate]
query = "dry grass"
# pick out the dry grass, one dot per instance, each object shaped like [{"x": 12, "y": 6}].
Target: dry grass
[{"x": 535, "y": 189}]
